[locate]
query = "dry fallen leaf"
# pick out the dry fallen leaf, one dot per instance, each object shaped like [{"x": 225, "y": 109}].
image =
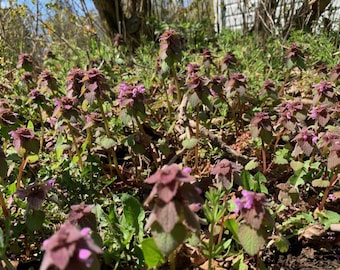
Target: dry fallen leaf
[{"x": 311, "y": 232}]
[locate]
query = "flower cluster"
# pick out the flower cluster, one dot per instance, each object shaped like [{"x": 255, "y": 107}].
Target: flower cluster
[
  {"x": 260, "y": 125},
  {"x": 70, "y": 248},
  {"x": 74, "y": 82},
  {"x": 95, "y": 83},
  {"x": 82, "y": 216},
  {"x": 252, "y": 207},
  {"x": 25, "y": 61},
  {"x": 305, "y": 141},
  {"x": 290, "y": 113},
  {"x": 227, "y": 61},
  {"x": 130, "y": 94},
  {"x": 324, "y": 92},
  {"x": 225, "y": 172},
  {"x": 176, "y": 197},
  {"x": 320, "y": 114},
  {"x": 66, "y": 107},
  {"x": 47, "y": 81}
]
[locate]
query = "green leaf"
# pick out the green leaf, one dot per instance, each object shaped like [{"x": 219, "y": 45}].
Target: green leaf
[
  {"x": 297, "y": 179},
  {"x": 296, "y": 165},
  {"x": 133, "y": 212},
  {"x": 105, "y": 142},
  {"x": 35, "y": 220},
  {"x": 194, "y": 100},
  {"x": 30, "y": 125},
  {"x": 252, "y": 240},
  {"x": 190, "y": 143},
  {"x": 320, "y": 183},
  {"x": 251, "y": 165},
  {"x": 168, "y": 242},
  {"x": 328, "y": 218},
  {"x": 282, "y": 244},
  {"x": 232, "y": 226},
  {"x": 247, "y": 180},
  {"x": 152, "y": 255}
]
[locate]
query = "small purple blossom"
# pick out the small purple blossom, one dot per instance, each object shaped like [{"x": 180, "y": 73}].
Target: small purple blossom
[
  {"x": 252, "y": 207},
  {"x": 320, "y": 114},
  {"x": 69, "y": 249},
  {"x": 130, "y": 94},
  {"x": 324, "y": 92},
  {"x": 238, "y": 83},
  {"x": 305, "y": 142},
  {"x": 35, "y": 193}
]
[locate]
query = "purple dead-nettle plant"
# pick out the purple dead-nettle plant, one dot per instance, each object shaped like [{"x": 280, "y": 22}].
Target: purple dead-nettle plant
[
  {"x": 229, "y": 60},
  {"x": 93, "y": 119},
  {"x": 69, "y": 249},
  {"x": 269, "y": 88},
  {"x": 252, "y": 207},
  {"x": 335, "y": 73},
  {"x": 47, "y": 82},
  {"x": 295, "y": 56},
  {"x": 35, "y": 194},
  {"x": 197, "y": 83},
  {"x": 170, "y": 47},
  {"x": 322, "y": 69},
  {"x": 66, "y": 107},
  {"x": 291, "y": 113},
  {"x": 27, "y": 78},
  {"x": 216, "y": 84},
  {"x": 320, "y": 114},
  {"x": 328, "y": 139},
  {"x": 82, "y": 216},
  {"x": 192, "y": 68},
  {"x": 236, "y": 84},
  {"x": 226, "y": 173},
  {"x": 261, "y": 126},
  {"x": 131, "y": 96},
  {"x": 7, "y": 117},
  {"x": 24, "y": 138},
  {"x": 305, "y": 142},
  {"x": 334, "y": 154},
  {"x": 74, "y": 82},
  {"x": 175, "y": 198},
  {"x": 25, "y": 61},
  {"x": 207, "y": 58},
  {"x": 96, "y": 86},
  {"x": 324, "y": 92},
  {"x": 37, "y": 97}
]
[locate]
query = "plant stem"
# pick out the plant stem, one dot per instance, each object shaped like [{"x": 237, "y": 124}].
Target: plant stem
[
  {"x": 146, "y": 137},
  {"x": 42, "y": 131},
  {"x": 328, "y": 189},
  {"x": 172, "y": 260},
  {"x": 21, "y": 170},
  {"x": 80, "y": 161},
  {"x": 108, "y": 134},
  {"x": 264, "y": 158},
  {"x": 174, "y": 76},
  {"x": 197, "y": 137},
  {"x": 3, "y": 204},
  {"x": 211, "y": 245}
]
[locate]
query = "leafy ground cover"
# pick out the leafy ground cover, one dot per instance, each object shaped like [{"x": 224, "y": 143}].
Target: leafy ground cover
[{"x": 174, "y": 157}]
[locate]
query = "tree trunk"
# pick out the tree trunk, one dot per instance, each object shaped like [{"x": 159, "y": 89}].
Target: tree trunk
[{"x": 125, "y": 17}]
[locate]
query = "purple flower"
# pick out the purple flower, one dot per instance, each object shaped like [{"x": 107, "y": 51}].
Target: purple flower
[
  {"x": 324, "y": 91},
  {"x": 66, "y": 107},
  {"x": 294, "y": 52},
  {"x": 320, "y": 114},
  {"x": 252, "y": 207},
  {"x": 95, "y": 83},
  {"x": 192, "y": 68},
  {"x": 130, "y": 94},
  {"x": 305, "y": 141},
  {"x": 197, "y": 83},
  {"x": 335, "y": 73},
  {"x": 69, "y": 249},
  {"x": 35, "y": 194}
]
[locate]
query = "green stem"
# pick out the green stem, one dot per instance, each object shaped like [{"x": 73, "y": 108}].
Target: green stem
[
  {"x": 197, "y": 137},
  {"x": 146, "y": 137},
  {"x": 21, "y": 170},
  {"x": 80, "y": 161},
  {"x": 3, "y": 204},
  {"x": 174, "y": 76},
  {"x": 264, "y": 158},
  {"x": 172, "y": 260},
  {"x": 211, "y": 245},
  {"x": 108, "y": 134},
  {"x": 42, "y": 131}
]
